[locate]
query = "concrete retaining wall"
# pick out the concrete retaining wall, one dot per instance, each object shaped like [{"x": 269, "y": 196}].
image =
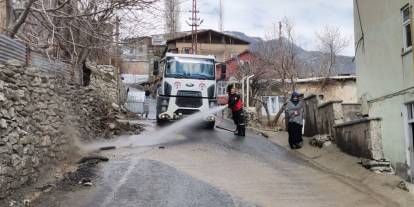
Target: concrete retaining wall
[{"x": 361, "y": 138}]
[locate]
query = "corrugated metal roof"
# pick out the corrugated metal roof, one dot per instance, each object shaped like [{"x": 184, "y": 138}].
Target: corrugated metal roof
[{"x": 11, "y": 49}]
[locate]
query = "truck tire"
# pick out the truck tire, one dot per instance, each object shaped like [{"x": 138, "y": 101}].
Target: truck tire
[
  {"x": 211, "y": 125},
  {"x": 160, "y": 122}
]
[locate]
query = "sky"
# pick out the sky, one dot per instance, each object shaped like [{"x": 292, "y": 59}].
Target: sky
[{"x": 258, "y": 17}]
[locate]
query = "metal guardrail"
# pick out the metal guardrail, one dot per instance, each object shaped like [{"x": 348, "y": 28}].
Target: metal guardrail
[{"x": 12, "y": 49}]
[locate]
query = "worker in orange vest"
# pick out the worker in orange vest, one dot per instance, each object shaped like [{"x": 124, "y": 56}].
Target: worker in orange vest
[{"x": 235, "y": 103}]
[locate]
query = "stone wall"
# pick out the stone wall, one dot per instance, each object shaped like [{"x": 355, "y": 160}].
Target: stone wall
[
  {"x": 32, "y": 123},
  {"x": 351, "y": 111},
  {"x": 43, "y": 116},
  {"x": 361, "y": 138}
]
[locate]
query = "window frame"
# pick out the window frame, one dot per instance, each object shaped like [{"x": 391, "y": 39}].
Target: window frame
[{"x": 404, "y": 25}]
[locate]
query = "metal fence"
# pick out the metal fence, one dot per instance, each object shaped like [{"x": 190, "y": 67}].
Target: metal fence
[
  {"x": 46, "y": 64},
  {"x": 12, "y": 49},
  {"x": 135, "y": 102}
]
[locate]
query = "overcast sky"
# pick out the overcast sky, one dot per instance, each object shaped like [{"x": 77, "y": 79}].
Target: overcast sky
[{"x": 257, "y": 17}]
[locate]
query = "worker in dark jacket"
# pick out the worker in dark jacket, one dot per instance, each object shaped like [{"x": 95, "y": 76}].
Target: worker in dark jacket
[
  {"x": 236, "y": 105},
  {"x": 295, "y": 116}
]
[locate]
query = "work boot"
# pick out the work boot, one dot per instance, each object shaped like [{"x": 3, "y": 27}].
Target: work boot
[{"x": 242, "y": 130}]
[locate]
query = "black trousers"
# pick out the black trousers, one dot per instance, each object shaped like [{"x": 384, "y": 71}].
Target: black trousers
[
  {"x": 240, "y": 121},
  {"x": 295, "y": 134}
]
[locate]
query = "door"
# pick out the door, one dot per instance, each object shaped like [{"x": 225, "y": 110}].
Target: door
[{"x": 410, "y": 134}]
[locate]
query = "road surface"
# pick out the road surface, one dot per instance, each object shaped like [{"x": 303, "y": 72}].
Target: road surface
[{"x": 214, "y": 168}]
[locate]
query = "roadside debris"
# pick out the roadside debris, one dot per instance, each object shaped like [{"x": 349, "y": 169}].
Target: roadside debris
[
  {"x": 93, "y": 158},
  {"x": 46, "y": 188},
  {"x": 403, "y": 186},
  {"x": 378, "y": 166},
  {"x": 161, "y": 147},
  {"x": 264, "y": 135},
  {"x": 107, "y": 148},
  {"x": 81, "y": 177},
  {"x": 321, "y": 141}
]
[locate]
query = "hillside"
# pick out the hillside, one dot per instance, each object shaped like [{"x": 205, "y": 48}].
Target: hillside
[{"x": 309, "y": 61}]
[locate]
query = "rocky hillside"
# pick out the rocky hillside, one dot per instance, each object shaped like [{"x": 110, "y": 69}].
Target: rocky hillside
[{"x": 309, "y": 61}]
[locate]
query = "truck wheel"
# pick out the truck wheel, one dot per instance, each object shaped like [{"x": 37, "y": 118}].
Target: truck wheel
[
  {"x": 160, "y": 122},
  {"x": 211, "y": 125}
]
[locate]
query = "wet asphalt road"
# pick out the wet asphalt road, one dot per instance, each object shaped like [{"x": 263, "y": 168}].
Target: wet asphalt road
[{"x": 214, "y": 168}]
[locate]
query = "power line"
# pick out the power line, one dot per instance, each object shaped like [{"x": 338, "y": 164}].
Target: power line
[{"x": 195, "y": 23}]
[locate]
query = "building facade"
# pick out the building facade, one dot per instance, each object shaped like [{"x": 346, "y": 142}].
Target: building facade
[
  {"x": 337, "y": 88},
  {"x": 137, "y": 57},
  {"x": 385, "y": 74},
  {"x": 229, "y": 71},
  {"x": 210, "y": 42}
]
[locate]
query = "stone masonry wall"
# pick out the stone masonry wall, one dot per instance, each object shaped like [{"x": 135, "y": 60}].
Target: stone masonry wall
[
  {"x": 41, "y": 117},
  {"x": 31, "y": 125}
]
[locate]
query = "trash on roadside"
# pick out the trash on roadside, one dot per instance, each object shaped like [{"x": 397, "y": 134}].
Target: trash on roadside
[
  {"x": 96, "y": 158},
  {"x": 321, "y": 141},
  {"x": 46, "y": 188},
  {"x": 161, "y": 147},
  {"x": 378, "y": 166},
  {"x": 107, "y": 148},
  {"x": 403, "y": 186},
  {"x": 86, "y": 182}
]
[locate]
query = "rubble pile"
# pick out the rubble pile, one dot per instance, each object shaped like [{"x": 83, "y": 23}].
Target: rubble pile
[
  {"x": 321, "y": 141},
  {"x": 42, "y": 116},
  {"x": 378, "y": 166},
  {"x": 99, "y": 118}
]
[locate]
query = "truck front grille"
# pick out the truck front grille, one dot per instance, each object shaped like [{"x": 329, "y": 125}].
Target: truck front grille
[
  {"x": 189, "y": 102},
  {"x": 189, "y": 99}
]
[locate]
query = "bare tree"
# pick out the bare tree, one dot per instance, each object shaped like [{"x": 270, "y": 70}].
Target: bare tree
[
  {"x": 331, "y": 43},
  {"x": 172, "y": 16},
  {"x": 76, "y": 30},
  {"x": 260, "y": 83},
  {"x": 281, "y": 56}
]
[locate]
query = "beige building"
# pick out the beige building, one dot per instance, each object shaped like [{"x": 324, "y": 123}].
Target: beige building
[
  {"x": 336, "y": 88},
  {"x": 385, "y": 74},
  {"x": 210, "y": 42}
]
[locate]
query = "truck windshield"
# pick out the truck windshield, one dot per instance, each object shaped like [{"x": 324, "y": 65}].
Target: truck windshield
[{"x": 189, "y": 68}]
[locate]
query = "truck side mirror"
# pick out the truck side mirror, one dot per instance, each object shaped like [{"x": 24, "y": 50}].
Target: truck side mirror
[{"x": 156, "y": 70}]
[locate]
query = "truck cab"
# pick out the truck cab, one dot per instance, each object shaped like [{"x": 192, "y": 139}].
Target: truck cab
[{"x": 188, "y": 86}]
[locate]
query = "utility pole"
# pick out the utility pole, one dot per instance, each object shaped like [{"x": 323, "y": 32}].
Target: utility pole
[
  {"x": 195, "y": 23},
  {"x": 221, "y": 15}
]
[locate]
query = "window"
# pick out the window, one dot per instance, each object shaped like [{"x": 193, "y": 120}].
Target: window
[
  {"x": 221, "y": 88},
  {"x": 406, "y": 24}
]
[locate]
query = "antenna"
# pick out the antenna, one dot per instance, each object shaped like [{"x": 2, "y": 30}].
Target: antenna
[
  {"x": 221, "y": 15},
  {"x": 195, "y": 23}
]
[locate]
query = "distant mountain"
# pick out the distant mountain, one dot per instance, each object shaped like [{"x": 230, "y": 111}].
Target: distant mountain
[
  {"x": 241, "y": 35},
  {"x": 309, "y": 61}
]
